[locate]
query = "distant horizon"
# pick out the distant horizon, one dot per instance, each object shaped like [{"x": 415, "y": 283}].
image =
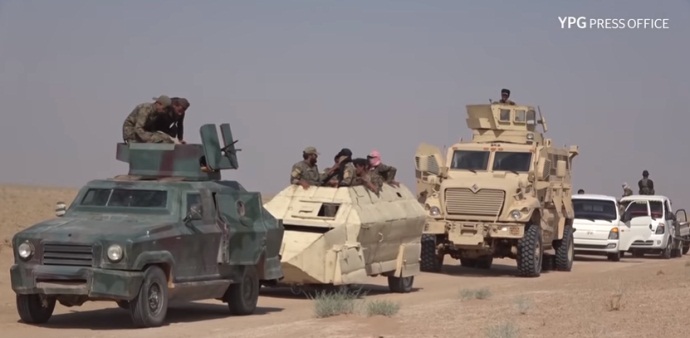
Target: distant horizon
[{"x": 385, "y": 75}]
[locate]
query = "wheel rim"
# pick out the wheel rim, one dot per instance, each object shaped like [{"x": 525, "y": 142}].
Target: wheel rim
[
  {"x": 537, "y": 256},
  {"x": 154, "y": 298},
  {"x": 571, "y": 252}
]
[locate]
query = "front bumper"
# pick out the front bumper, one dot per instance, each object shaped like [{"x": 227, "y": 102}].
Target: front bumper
[
  {"x": 595, "y": 246},
  {"x": 654, "y": 242},
  {"x": 94, "y": 283},
  {"x": 472, "y": 233}
]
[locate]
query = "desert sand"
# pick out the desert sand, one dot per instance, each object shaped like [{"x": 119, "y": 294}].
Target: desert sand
[{"x": 636, "y": 297}]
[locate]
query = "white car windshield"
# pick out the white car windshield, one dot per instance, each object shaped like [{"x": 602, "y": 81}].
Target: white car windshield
[{"x": 592, "y": 209}]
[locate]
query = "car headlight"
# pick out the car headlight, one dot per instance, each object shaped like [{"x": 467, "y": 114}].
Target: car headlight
[
  {"x": 660, "y": 229},
  {"x": 434, "y": 211},
  {"x": 25, "y": 250},
  {"x": 515, "y": 214},
  {"x": 115, "y": 253},
  {"x": 613, "y": 234}
]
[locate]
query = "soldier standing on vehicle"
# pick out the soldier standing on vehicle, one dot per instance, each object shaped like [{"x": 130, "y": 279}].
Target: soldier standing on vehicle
[
  {"x": 306, "y": 172},
  {"x": 140, "y": 125},
  {"x": 386, "y": 172},
  {"x": 626, "y": 190},
  {"x": 505, "y": 94},
  {"x": 646, "y": 185}
]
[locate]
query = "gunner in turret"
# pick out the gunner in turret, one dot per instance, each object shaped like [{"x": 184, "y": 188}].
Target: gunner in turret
[
  {"x": 505, "y": 94},
  {"x": 140, "y": 125}
]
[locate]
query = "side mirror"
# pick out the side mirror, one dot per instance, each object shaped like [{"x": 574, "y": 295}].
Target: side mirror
[
  {"x": 60, "y": 209},
  {"x": 193, "y": 214},
  {"x": 560, "y": 169}
]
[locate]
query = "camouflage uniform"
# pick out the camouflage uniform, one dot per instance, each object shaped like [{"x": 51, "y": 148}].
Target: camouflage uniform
[
  {"x": 303, "y": 170},
  {"x": 376, "y": 179},
  {"x": 349, "y": 175},
  {"x": 386, "y": 172},
  {"x": 646, "y": 186},
  {"x": 141, "y": 124}
]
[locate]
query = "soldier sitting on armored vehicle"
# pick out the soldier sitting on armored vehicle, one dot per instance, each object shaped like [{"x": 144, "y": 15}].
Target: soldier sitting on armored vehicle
[
  {"x": 306, "y": 172},
  {"x": 172, "y": 121},
  {"x": 386, "y": 172},
  {"x": 342, "y": 174},
  {"x": 140, "y": 125},
  {"x": 365, "y": 176}
]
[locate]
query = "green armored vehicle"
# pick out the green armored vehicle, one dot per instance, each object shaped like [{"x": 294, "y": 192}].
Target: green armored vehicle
[{"x": 169, "y": 230}]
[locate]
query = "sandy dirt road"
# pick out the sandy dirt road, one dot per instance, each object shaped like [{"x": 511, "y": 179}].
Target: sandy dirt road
[{"x": 654, "y": 293}]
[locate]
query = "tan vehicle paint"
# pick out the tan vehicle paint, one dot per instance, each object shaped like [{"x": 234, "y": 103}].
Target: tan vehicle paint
[{"x": 504, "y": 193}]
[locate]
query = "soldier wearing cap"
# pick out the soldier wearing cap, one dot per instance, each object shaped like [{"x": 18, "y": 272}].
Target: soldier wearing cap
[
  {"x": 172, "y": 122},
  {"x": 505, "y": 94},
  {"x": 141, "y": 124},
  {"x": 306, "y": 172}
]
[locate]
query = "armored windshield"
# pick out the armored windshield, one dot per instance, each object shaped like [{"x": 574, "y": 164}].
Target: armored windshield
[
  {"x": 512, "y": 161},
  {"x": 125, "y": 198},
  {"x": 470, "y": 160},
  {"x": 594, "y": 209}
]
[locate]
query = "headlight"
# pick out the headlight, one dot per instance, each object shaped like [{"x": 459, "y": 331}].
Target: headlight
[
  {"x": 25, "y": 250},
  {"x": 515, "y": 214},
  {"x": 613, "y": 234},
  {"x": 115, "y": 253},
  {"x": 660, "y": 229},
  {"x": 434, "y": 211}
]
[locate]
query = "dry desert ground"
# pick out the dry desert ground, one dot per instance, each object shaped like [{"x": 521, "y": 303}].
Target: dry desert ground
[{"x": 647, "y": 297}]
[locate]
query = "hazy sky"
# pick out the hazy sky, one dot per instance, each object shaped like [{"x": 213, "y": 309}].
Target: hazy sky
[{"x": 359, "y": 74}]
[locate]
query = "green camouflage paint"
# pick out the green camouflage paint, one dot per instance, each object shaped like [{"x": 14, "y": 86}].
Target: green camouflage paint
[{"x": 147, "y": 213}]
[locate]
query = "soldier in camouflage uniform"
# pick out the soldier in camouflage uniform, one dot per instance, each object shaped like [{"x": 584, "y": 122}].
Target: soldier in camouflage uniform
[
  {"x": 626, "y": 190},
  {"x": 306, "y": 172},
  {"x": 141, "y": 124},
  {"x": 172, "y": 122},
  {"x": 505, "y": 94},
  {"x": 386, "y": 172},
  {"x": 364, "y": 176},
  {"x": 344, "y": 171},
  {"x": 646, "y": 185}
]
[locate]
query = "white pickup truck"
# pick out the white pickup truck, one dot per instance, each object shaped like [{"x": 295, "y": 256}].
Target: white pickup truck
[
  {"x": 598, "y": 227},
  {"x": 655, "y": 227}
]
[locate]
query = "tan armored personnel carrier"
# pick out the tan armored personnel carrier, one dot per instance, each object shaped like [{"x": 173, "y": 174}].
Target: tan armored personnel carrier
[
  {"x": 340, "y": 236},
  {"x": 505, "y": 193}
]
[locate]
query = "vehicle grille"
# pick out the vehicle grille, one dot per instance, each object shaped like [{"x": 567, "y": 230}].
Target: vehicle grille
[
  {"x": 67, "y": 254},
  {"x": 486, "y": 202}
]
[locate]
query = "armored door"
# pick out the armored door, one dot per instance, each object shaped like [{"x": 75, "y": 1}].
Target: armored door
[{"x": 241, "y": 213}]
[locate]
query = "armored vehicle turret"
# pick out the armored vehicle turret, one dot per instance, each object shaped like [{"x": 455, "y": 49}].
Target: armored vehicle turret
[
  {"x": 504, "y": 193},
  {"x": 341, "y": 236},
  {"x": 170, "y": 229}
]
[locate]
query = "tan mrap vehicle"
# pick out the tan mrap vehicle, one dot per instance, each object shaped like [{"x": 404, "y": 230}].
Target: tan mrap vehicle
[
  {"x": 341, "y": 236},
  {"x": 505, "y": 193}
]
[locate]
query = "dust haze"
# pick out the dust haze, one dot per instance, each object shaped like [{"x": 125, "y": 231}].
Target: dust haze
[{"x": 366, "y": 75}]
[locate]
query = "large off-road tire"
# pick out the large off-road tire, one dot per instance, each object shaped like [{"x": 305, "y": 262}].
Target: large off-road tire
[
  {"x": 484, "y": 262},
  {"x": 430, "y": 261},
  {"x": 614, "y": 257},
  {"x": 34, "y": 310},
  {"x": 400, "y": 284},
  {"x": 150, "y": 306},
  {"x": 565, "y": 250},
  {"x": 243, "y": 296},
  {"x": 530, "y": 252}
]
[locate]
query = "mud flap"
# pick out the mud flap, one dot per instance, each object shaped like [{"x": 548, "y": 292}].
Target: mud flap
[
  {"x": 407, "y": 263},
  {"x": 349, "y": 268}
]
